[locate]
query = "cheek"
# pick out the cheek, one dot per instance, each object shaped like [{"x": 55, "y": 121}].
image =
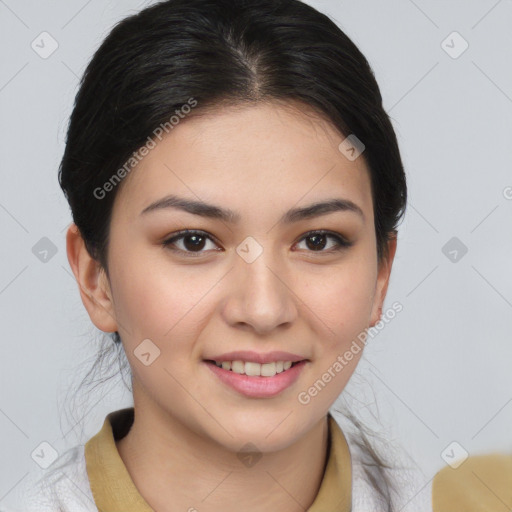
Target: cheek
[
  {"x": 155, "y": 299},
  {"x": 339, "y": 307},
  {"x": 141, "y": 293},
  {"x": 165, "y": 304},
  {"x": 341, "y": 300}
]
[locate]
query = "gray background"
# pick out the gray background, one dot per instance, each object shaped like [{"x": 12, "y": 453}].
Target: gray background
[{"x": 438, "y": 373}]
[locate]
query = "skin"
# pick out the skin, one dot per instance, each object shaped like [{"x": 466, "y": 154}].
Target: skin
[{"x": 260, "y": 161}]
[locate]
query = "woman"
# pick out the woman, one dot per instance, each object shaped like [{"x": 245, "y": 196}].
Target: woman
[{"x": 236, "y": 188}]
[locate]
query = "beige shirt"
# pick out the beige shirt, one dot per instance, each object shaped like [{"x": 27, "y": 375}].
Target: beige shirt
[{"x": 113, "y": 488}]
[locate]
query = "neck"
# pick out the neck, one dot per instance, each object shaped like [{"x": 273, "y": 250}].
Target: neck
[{"x": 176, "y": 469}]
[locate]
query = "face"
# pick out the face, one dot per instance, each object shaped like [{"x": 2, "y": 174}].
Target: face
[{"x": 258, "y": 281}]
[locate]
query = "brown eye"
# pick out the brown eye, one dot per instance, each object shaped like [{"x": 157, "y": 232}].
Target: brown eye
[
  {"x": 191, "y": 242},
  {"x": 194, "y": 242},
  {"x": 317, "y": 241}
]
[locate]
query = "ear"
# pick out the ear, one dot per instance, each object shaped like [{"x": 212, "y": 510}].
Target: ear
[
  {"x": 92, "y": 282},
  {"x": 383, "y": 280}
]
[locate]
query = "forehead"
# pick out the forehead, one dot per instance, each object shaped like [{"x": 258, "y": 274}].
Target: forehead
[{"x": 259, "y": 157}]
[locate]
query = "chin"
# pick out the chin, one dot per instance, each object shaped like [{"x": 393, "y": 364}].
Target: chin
[{"x": 269, "y": 431}]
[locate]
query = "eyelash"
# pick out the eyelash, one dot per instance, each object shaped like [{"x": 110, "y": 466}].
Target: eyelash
[{"x": 341, "y": 242}]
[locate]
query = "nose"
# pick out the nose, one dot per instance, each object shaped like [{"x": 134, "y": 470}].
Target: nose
[{"x": 261, "y": 295}]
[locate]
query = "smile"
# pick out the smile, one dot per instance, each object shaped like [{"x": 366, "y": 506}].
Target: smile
[{"x": 256, "y": 385}]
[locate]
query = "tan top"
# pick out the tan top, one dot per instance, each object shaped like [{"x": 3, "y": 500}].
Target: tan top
[
  {"x": 482, "y": 483},
  {"x": 113, "y": 488}
]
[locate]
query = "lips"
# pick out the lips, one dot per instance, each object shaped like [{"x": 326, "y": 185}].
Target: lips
[
  {"x": 257, "y": 374},
  {"x": 258, "y": 386}
]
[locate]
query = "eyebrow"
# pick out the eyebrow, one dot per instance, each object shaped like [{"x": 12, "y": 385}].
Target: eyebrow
[{"x": 216, "y": 212}]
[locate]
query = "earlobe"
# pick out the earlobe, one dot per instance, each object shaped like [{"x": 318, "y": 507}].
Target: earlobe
[
  {"x": 384, "y": 273},
  {"x": 92, "y": 282}
]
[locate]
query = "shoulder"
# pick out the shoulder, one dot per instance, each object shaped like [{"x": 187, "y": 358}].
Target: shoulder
[
  {"x": 402, "y": 485},
  {"x": 63, "y": 487},
  {"x": 481, "y": 483}
]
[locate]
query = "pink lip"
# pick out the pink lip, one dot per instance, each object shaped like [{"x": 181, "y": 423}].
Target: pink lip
[
  {"x": 258, "y": 387},
  {"x": 255, "y": 357}
]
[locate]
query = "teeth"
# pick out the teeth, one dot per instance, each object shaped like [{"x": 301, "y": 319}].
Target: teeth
[
  {"x": 237, "y": 367},
  {"x": 255, "y": 369},
  {"x": 252, "y": 369},
  {"x": 268, "y": 369}
]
